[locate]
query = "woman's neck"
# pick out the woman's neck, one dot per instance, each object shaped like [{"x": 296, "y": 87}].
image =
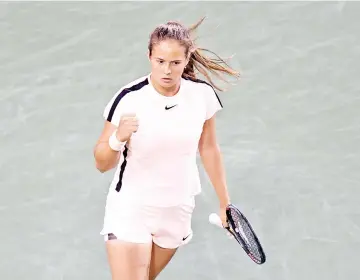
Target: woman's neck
[{"x": 166, "y": 91}]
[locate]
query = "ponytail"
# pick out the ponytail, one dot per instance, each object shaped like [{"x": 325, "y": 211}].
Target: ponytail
[{"x": 205, "y": 65}]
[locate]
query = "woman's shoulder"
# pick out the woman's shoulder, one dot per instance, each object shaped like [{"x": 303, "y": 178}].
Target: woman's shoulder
[
  {"x": 136, "y": 84},
  {"x": 199, "y": 83},
  {"x": 133, "y": 86}
]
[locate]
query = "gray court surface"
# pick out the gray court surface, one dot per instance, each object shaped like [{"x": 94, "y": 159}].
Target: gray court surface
[{"x": 289, "y": 133}]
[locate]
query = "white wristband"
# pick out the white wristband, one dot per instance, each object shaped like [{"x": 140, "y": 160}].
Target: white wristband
[{"x": 115, "y": 144}]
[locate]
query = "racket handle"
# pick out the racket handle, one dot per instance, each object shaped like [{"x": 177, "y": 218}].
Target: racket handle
[{"x": 215, "y": 220}]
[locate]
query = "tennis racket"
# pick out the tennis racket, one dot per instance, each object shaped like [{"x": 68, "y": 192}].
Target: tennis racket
[{"x": 240, "y": 228}]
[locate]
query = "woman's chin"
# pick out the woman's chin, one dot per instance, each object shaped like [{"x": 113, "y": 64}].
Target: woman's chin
[{"x": 167, "y": 84}]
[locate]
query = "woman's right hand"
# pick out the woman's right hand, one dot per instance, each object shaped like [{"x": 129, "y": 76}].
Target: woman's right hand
[{"x": 127, "y": 126}]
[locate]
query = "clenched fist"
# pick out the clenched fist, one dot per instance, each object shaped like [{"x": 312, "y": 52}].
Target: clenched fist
[{"x": 127, "y": 126}]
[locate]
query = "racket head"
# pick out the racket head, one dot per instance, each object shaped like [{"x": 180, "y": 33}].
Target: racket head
[{"x": 240, "y": 228}]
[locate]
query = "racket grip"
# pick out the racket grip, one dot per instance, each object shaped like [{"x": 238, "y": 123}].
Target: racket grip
[{"x": 215, "y": 220}]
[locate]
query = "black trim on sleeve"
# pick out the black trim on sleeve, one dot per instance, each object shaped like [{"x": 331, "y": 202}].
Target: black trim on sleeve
[
  {"x": 204, "y": 82},
  {"x": 122, "y": 94}
]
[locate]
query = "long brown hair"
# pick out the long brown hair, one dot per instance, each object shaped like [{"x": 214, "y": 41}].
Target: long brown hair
[{"x": 198, "y": 61}]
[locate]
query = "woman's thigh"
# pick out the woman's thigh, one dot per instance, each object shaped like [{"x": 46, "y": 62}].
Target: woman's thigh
[{"x": 128, "y": 260}]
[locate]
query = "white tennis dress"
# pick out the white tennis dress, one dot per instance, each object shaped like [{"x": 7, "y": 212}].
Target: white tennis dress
[{"x": 151, "y": 197}]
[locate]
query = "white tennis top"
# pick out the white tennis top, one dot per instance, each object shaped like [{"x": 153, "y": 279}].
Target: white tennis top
[{"x": 158, "y": 165}]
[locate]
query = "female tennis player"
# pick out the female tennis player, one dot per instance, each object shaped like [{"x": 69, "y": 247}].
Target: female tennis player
[{"x": 153, "y": 128}]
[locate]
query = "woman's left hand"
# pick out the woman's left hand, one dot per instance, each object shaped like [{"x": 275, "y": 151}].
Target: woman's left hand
[
  {"x": 223, "y": 217},
  {"x": 224, "y": 221}
]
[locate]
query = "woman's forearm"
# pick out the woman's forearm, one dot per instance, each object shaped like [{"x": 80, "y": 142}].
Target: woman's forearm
[
  {"x": 213, "y": 164},
  {"x": 105, "y": 157}
]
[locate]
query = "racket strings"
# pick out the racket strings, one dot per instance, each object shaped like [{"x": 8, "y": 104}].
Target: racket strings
[{"x": 242, "y": 229}]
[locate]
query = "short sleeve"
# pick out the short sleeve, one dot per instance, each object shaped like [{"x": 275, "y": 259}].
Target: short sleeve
[
  {"x": 115, "y": 108},
  {"x": 212, "y": 101}
]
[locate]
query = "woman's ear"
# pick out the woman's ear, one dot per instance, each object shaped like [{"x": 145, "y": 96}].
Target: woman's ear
[
  {"x": 192, "y": 50},
  {"x": 187, "y": 59}
]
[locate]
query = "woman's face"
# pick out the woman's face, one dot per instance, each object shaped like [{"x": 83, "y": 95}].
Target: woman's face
[{"x": 168, "y": 61}]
